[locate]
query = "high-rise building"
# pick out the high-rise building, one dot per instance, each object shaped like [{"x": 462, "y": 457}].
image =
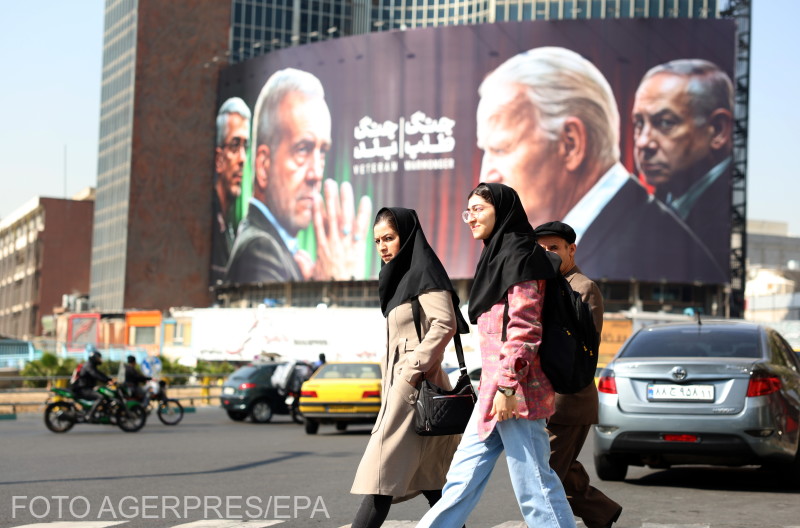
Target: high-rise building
[
  {"x": 45, "y": 248},
  {"x": 260, "y": 26},
  {"x": 151, "y": 245}
]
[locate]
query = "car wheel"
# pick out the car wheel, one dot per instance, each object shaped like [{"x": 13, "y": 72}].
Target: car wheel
[
  {"x": 609, "y": 468},
  {"x": 261, "y": 412},
  {"x": 341, "y": 426},
  {"x": 312, "y": 426},
  {"x": 237, "y": 416}
]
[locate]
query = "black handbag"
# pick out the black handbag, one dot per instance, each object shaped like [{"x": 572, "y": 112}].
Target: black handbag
[{"x": 440, "y": 412}]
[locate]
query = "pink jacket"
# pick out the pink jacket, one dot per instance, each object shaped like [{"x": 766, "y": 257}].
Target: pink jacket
[{"x": 515, "y": 362}]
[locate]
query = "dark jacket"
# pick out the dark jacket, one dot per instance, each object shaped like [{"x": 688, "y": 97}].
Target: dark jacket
[
  {"x": 221, "y": 241},
  {"x": 259, "y": 254},
  {"x": 637, "y": 236},
  {"x": 133, "y": 377},
  {"x": 89, "y": 377}
]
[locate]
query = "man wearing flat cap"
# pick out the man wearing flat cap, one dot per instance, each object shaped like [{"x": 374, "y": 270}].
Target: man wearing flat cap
[{"x": 575, "y": 413}]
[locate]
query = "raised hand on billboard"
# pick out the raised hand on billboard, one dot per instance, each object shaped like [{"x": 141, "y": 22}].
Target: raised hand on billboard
[
  {"x": 341, "y": 232},
  {"x": 305, "y": 263}
]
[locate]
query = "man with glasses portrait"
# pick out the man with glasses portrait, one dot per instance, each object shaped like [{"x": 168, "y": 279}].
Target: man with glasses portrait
[{"x": 233, "y": 135}]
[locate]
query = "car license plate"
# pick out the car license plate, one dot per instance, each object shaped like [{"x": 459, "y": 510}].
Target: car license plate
[
  {"x": 228, "y": 390},
  {"x": 342, "y": 409},
  {"x": 668, "y": 392}
]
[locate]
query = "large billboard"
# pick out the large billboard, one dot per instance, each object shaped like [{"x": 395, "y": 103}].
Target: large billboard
[{"x": 621, "y": 128}]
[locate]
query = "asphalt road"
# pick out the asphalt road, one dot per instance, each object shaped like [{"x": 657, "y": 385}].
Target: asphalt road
[{"x": 209, "y": 467}]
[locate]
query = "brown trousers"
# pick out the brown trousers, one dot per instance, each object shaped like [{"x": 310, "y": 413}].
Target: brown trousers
[{"x": 586, "y": 501}]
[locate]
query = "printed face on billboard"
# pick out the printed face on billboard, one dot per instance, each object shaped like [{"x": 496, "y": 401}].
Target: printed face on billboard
[{"x": 601, "y": 124}]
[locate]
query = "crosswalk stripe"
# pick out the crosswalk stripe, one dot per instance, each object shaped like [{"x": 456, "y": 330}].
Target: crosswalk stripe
[
  {"x": 227, "y": 523},
  {"x": 656, "y": 525},
  {"x": 239, "y": 523},
  {"x": 392, "y": 524},
  {"x": 70, "y": 524}
]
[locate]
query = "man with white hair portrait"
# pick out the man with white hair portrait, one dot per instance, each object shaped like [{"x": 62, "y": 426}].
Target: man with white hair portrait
[{"x": 292, "y": 129}]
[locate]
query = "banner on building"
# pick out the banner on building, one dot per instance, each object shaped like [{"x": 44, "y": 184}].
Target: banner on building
[{"x": 617, "y": 127}]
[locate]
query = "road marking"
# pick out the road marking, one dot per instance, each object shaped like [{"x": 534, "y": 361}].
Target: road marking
[
  {"x": 656, "y": 525},
  {"x": 69, "y": 524},
  {"x": 392, "y": 524},
  {"x": 239, "y": 523},
  {"x": 227, "y": 523}
]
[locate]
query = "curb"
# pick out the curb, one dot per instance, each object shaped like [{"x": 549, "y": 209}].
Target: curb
[{"x": 10, "y": 416}]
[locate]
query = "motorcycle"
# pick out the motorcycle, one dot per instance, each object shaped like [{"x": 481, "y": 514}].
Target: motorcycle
[
  {"x": 114, "y": 409},
  {"x": 168, "y": 410}
]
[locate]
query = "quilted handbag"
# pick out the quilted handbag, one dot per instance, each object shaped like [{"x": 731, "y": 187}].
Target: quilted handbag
[
  {"x": 445, "y": 412},
  {"x": 439, "y": 411}
]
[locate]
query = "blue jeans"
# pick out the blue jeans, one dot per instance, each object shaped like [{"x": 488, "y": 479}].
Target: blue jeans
[{"x": 539, "y": 492}]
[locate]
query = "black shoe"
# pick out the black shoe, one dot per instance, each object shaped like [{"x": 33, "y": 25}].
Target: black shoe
[{"x": 614, "y": 518}]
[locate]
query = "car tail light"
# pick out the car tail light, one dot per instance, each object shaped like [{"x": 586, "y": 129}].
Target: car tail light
[
  {"x": 762, "y": 384},
  {"x": 607, "y": 384},
  {"x": 680, "y": 437},
  {"x": 371, "y": 394},
  {"x": 308, "y": 394},
  {"x": 245, "y": 386}
]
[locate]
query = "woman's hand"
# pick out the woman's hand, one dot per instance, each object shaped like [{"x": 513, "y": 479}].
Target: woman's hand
[{"x": 505, "y": 407}]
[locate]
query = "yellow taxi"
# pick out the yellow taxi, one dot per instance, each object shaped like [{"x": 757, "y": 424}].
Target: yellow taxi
[{"x": 341, "y": 393}]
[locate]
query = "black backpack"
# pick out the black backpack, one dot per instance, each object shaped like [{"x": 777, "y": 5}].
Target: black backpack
[{"x": 570, "y": 342}]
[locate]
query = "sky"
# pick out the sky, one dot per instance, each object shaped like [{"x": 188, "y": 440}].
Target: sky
[{"x": 51, "y": 51}]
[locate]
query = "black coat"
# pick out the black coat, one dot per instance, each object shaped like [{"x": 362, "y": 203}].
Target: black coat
[{"x": 89, "y": 377}]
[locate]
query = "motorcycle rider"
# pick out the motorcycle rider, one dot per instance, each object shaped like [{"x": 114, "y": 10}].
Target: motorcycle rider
[
  {"x": 88, "y": 378},
  {"x": 133, "y": 379}
]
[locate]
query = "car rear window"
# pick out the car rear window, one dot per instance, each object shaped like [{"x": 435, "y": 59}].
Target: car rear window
[
  {"x": 349, "y": 370},
  {"x": 244, "y": 372},
  {"x": 249, "y": 371},
  {"x": 703, "y": 342}
]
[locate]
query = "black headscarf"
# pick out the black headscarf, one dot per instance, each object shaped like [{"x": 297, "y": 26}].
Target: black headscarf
[
  {"x": 415, "y": 268},
  {"x": 510, "y": 254}
]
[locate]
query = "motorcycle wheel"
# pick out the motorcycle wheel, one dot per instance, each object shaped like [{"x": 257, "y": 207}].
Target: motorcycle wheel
[
  {"x": 170, "y": 412},
  {"x": 59, "y": 417},
  {"x": 131, "y": 419}
]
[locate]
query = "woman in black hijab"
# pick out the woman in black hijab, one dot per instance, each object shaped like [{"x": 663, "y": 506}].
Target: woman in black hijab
[
  {"x": 515, "y": 396},
  {"x": 398, "y": 464}
]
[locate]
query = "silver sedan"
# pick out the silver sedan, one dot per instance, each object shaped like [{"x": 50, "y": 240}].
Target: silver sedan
[{"x": 717, "y": 393}]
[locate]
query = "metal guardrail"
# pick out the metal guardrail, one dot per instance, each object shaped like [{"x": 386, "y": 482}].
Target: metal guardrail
[{"x": 204, "y": 398}]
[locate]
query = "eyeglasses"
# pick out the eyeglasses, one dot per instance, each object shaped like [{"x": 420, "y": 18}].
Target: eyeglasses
[
  {"x": 473, "y": 212},
  {"x": 236, "y": 144}
]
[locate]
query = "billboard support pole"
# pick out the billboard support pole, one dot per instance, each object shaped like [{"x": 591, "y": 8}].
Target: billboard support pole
[{"x": 740, "y": 11}]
